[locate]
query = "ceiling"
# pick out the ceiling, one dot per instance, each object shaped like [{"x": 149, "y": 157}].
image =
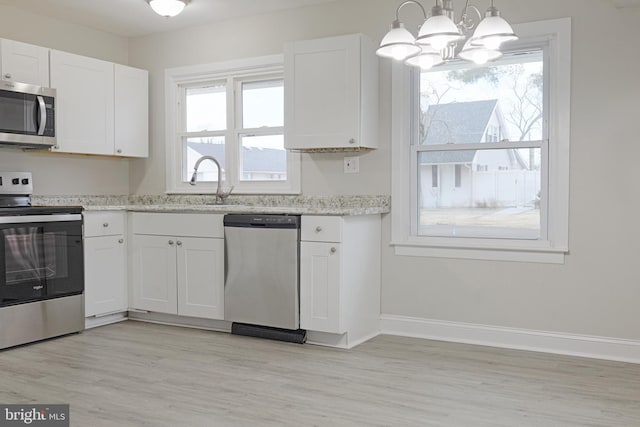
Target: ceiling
[{"x": 133, "y": 18}]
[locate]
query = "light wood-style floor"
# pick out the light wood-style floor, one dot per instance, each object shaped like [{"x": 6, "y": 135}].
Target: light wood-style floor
[{"x": 140, "y": 374}]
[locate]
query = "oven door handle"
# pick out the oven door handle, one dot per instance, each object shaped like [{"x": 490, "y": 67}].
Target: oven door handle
[
  {"x": 43, "y": 115},
  {"x": 22, "y": 219}
]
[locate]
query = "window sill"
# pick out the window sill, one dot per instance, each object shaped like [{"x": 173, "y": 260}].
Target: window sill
[{"x": 533, "y": 254}]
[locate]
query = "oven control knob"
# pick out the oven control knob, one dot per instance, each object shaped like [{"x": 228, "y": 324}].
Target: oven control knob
[
  {"x": 15, "y": 181},
  {"x": 25, "y": 181}
]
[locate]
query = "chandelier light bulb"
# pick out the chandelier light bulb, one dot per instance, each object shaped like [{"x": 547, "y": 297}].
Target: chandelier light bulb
[
  {"x": 398, "y": 43},
  {"x": 492, "y": 31},
  {"x": 400, "y": 52},
  {"x": 438, "y": 32},
  {"x": 425, "y": 60},
  {"x": 478, "y": 54},
  {"x": 492, "y": 42}
]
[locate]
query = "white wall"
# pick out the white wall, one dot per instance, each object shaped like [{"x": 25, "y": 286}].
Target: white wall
[
  {"x": 58, "y": 173},
  {"x": 595, "y": 292}
]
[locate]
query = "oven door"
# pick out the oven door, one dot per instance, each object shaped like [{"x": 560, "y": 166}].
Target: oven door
[{"x": 41, "y": 257}]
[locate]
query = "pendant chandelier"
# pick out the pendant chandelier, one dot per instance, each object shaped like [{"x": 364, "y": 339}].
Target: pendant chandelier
[
  {"x": 167, "y": 8},
  {"x": 440, "y": 39}
]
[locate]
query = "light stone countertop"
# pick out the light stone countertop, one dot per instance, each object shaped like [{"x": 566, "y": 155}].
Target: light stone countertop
[{"x": 301, "y": 205}]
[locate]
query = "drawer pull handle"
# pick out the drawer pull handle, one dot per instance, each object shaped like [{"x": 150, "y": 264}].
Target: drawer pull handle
[
  {"x": 171, "y": 242},
  {"x": 105, "y": 225},
  {"x": 7, "y": 76},
  {"x": 333, "y": 250},
  {"x": 318, "y": 229},
  {"x": 352, "y": 141},
  {"x": 179, "y": 243},
  {"x": 121, "y": 241}
]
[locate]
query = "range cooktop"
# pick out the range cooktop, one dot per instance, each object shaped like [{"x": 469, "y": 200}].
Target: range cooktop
[{"x": 16, "y": 189}]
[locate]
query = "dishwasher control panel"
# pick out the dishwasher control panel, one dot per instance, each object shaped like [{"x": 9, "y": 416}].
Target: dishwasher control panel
[{"x": 262, "y": 220}]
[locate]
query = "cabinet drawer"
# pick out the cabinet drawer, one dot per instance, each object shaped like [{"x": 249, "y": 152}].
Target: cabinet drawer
[
  {"x": 178, "y": 224},
  {"x": 321, "y": 228},
  {"x": 98, "y": 224}
]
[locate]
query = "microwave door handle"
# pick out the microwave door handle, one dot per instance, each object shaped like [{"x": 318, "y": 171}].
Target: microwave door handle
[{"x": 43, "y": 115}]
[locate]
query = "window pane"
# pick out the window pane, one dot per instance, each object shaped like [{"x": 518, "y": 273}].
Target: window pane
[
  {"x": 263, "y": 104},
  {"x": 206, "y": 108},
  {"x": 471, "y": 104},
  {"x": 206, "y": 146},
  {"x": 480, "y": 193},
  {"x": 263, "y": 158}
]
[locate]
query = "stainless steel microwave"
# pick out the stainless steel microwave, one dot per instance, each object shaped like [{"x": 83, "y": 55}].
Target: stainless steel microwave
[{"x": 27, "y": 115}]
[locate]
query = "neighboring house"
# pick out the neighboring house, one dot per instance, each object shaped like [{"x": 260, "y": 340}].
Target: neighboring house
[
  {"x": 257, "y": 164},
  {"x": 472, "y": 178}
]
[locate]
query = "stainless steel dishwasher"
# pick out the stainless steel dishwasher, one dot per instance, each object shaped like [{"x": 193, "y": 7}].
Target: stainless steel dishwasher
[{"x": 261, "y": 288}]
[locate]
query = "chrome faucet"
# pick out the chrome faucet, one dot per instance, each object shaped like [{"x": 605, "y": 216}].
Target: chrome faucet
[{"x": 220, "y": 194}]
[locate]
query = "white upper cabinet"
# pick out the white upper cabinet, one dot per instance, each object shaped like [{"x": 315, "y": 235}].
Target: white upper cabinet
[
  {"x": 331, "y": 94},
  {"x": 85, "y": 110},
  {"x": 24, "y": 63},
  {"x": 131, "y": 111},
  {"x": 103, "y": 108}
]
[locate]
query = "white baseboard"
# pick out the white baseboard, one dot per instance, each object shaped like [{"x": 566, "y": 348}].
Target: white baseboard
[
  {"x": 94, "y": 322},
  {"x": 520, "y": 339}
]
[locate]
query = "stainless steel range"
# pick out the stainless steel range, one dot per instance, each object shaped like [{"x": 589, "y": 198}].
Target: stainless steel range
[{"x": 41, "y": 265}]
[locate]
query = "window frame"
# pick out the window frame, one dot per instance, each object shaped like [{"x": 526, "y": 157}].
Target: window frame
[
  {"x": 233, "y": 74},
  {"x": 555, "y": 38}
]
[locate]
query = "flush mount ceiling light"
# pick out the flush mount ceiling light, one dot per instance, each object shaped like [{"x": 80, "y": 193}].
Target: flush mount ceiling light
[
  {"x": 167, "y": 8},
  {"x": 440, "y": 38}
]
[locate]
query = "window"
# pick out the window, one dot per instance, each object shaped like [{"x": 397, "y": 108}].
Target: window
[
  {"x": 498, "y": 135},
  {"x": 234, "y": 112},
  {"x": 493, "y": 134}
]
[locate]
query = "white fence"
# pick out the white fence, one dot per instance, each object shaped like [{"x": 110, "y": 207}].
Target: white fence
[{"x": 495, "y": 189}]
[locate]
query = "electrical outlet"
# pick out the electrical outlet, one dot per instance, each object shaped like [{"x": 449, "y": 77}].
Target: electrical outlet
[{"x": 351, "y": 164}]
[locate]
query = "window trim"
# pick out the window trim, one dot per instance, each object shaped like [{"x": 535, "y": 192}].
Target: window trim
[
  {"x": 249, "y": 69},
  {"x": 556, "y": 35}
]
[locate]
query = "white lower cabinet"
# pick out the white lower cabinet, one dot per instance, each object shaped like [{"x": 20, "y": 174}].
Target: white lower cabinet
[
  {"x": 105, "y": 263},
  {"x": 320, "y": 269},
  {"x": 178, "y": 264},
  {"x": 340, "y": 276}
]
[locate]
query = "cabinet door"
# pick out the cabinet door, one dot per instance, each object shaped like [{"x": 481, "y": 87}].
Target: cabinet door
[
  {"x": 320, "y": 277},
  {"x": 154, "y": 273},
  {"x": 85, "y": 95},
  {"x": 322, "y": 93},
  {"x": 201, "y": 277},
  {"x": 24, "y": 63},
  {"x": 105, "y": 275},
  {"x": 131, "y": 112}
]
